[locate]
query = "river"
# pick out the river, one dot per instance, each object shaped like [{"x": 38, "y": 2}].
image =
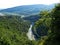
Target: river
[{"x": 30, "y": 34}]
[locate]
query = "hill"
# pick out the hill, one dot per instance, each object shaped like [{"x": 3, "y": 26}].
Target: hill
[
  {"x": 28, "y": 9},
  {"x": 13, "y": 31}
]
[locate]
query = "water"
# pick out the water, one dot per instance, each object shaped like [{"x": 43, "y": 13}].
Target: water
[{"x": 30, "y": 34}]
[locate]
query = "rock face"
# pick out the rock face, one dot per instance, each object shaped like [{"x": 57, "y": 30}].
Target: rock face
[{"x": 30, "y": 34}]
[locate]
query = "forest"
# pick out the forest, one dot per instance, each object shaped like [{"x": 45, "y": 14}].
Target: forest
[{"x": 46, "y": 29}]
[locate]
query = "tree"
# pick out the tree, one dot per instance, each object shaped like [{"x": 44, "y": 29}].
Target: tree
[{"x": 54, "y": 37}]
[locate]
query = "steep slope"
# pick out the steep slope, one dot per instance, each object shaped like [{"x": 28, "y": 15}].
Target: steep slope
[
  {"x": 54, "y": 36},
  {"x": 41, "y": 26},
  {"x": 51, "y": 21}
]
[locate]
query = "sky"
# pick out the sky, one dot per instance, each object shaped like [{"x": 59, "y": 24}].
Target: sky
[{"x": 13, "y": 3}]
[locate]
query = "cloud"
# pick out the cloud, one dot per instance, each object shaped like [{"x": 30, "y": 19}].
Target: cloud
[{"x": 12, "y": 3}]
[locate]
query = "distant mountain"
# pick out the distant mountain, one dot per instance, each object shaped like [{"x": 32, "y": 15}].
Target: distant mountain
[{"x": 28, "y": 9}]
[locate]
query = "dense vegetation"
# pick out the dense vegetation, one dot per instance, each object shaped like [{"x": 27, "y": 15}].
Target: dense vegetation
[
  {"x": 48, "y": 27},
  {"x": 32, "y": 18},
  {"x": 54, "y": 37},
  {"x": 13, "y": 31},
  {"x": 41, "y": 27}
]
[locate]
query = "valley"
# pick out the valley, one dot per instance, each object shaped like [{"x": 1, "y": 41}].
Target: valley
[{"x": 30, "y": 25}]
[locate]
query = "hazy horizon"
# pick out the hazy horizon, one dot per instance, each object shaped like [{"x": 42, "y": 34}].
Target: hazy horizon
[
  {"x": 13, "y": 3},
  {"x": 25, "y": 5}
]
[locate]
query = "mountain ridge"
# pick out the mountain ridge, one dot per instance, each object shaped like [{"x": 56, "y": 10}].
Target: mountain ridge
[{"x": 28, "y": 9}]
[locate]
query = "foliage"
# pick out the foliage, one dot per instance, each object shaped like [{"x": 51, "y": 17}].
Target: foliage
[
  {"x": 42, "y": 26},
  {"x": 53, "y": 37},
  {"x": 13, "y": 31}
]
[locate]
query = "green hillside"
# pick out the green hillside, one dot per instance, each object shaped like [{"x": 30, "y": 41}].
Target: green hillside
[
  {"x": 48, "y": 27},
  {"x": 13, "y": 31},
  {"x": 46, "y": 30}
]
